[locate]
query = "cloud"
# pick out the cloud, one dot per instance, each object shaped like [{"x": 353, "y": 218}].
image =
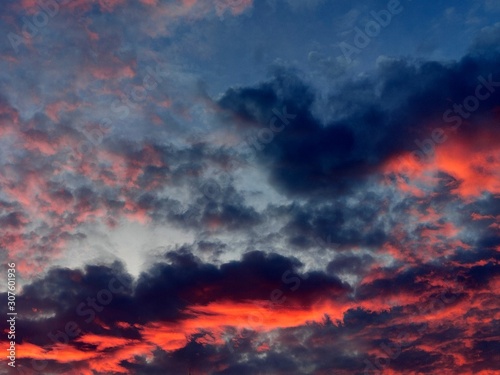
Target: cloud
[
  {"x": 374, "y": 118},
  {"x": 183, "y": 313},
  {"x": 316, "y": 231}
]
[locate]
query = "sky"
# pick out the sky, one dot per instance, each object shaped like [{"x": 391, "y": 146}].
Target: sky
[{"x": 250, "y": 186}]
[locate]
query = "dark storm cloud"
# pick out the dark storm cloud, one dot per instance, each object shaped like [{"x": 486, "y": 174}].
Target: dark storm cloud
[
  {"x": 374, "y": 118},
  {"x": 179, "y": 278},
  {"x": 160, "y": 295},
  {"x": 254, "y": 277},
  {"x": 168, "y": 289}
]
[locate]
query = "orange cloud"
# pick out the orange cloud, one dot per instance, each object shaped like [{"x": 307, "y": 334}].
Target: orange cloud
[{"x": 473, "y": 161}]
